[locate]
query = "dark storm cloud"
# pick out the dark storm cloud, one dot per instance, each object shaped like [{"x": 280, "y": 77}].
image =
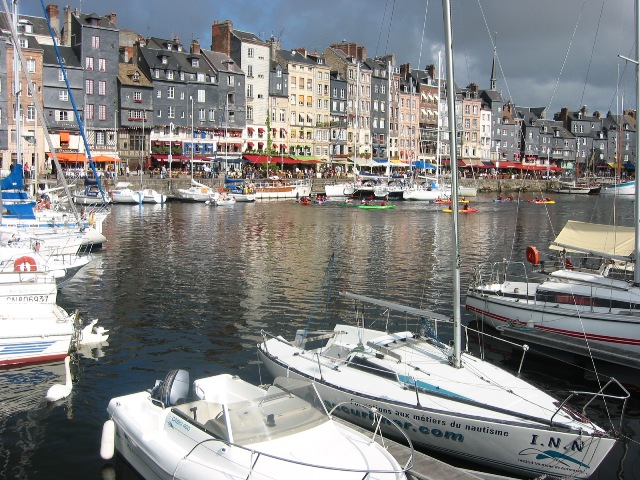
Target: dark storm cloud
[{"x": 533, "y": 37}]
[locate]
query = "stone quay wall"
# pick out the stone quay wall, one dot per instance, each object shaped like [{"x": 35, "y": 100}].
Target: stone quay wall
[{"x": 485, "y": 185}]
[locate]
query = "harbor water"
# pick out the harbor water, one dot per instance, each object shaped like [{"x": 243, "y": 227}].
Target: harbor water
[{"x": 192, "y": 286}]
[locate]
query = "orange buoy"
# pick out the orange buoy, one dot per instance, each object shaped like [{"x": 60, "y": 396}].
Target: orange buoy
[
  {"x": 25, "y": 264},
  {"x": 533, "y": 256}
]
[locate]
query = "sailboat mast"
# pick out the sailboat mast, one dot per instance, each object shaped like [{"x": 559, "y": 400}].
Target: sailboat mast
[
  {"x": 451, "y": 103},
  {"x": 636, "y": 270}
]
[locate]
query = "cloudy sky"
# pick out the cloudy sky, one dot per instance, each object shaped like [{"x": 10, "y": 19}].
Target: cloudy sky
[{"x": 551, "y": 53}]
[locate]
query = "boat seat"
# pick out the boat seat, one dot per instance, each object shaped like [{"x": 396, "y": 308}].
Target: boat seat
[
  {"x": 174, "y": 388},
  {"x": 217, "y": 427}
]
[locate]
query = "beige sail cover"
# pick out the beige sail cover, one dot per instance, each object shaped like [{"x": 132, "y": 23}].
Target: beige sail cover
[{"x": 608, "y": 240}]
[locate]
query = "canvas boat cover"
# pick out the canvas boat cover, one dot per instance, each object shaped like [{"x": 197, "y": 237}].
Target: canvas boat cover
[{"x": 606, "y": 240}]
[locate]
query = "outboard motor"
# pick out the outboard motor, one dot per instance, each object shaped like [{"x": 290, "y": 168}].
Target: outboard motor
[{"x": 174, "y": 388}]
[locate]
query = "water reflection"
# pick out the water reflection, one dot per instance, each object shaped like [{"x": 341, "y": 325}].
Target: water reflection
[{"x": 191, "y": 286}]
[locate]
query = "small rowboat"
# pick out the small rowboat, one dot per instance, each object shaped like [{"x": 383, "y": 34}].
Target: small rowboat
[{"x": 542, "y": 202}]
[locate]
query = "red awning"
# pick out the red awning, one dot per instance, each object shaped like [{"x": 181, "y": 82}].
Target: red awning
[
  {"x": 282, "y": 145},
  {"x": 502, "y": 164},
  {"x": 264, "y": 159},
  {"x": 275, "y": 145},
  {"x": 250, "y": 129},
  {"x": 261, "y": 130},
  {"x": 250, "y": 144},
  {"x": 64, "y": 137}
]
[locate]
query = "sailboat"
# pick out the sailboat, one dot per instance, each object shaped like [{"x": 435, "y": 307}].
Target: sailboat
[
  {"x": 444, "y": 399},
  {"x": 588, "y": 299}
]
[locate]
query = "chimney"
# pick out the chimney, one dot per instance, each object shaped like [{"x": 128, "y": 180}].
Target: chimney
[
  {"x": 195, "y": 47},
  {"x": 596, "y": 114},
  {"x": 431, "y": 70},
  {"x": 584, "y": 111},
  {"x": 274, "y": 46},
  {"x": 113, "y": 18},
  {"x": 302, "y": 51},
  {"x": 221, "y": 37},
  {"x": 54, "y": 17},
  {"x": 66, "y": 27},
  {"x": 405, "y": 71}
]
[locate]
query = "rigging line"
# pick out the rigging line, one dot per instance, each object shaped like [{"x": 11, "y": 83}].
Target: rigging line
[
  {"x": 493, "y": 44},
  {"x": 564, "y": 62},
  {"x": 424, "y": 27},
  {"x": 386, "y": 47},
  {"x": 593, "y": 47},
  {"x": 386, "y": 5}
]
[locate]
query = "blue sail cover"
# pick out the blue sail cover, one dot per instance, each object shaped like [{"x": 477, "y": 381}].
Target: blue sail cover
[{"x": 14, "y": 180}]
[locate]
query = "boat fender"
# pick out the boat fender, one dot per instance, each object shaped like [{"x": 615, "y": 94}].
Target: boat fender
[
  {"x": 25, "y": 264},
  {"x": 92, "y": 218},
  {"x": 108, "y": 441},
  {"x": 533, "y": 256}
]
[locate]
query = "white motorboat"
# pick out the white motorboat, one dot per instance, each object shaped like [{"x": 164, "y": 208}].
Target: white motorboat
[
  {"x": 281, "y": 188},
  {"x": 424, "y": 193},
  {"x": 625, "y": 188},
  {"x": 445, "y": 399},
  {"x": 152, "y": 196},
  {"x": 225, "y": 428},
  {"x": 197, "y": 192},
  {"x": 124, "y": 194},
  {"x": 342, "y": 189},
  {"x": 35, "y": 333}
]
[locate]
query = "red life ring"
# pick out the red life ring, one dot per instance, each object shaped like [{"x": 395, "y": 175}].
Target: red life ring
[
  {"x": 533, "y": 256},
  {"x": 25, "y": 264}
]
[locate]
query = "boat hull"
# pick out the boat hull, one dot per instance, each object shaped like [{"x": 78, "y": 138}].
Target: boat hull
[
  {"x": 599, "y": 327},
  {"x": 626, "y": 188},
  {"x": 39, "y": 335},
  {"x": 511, "y": 447}
]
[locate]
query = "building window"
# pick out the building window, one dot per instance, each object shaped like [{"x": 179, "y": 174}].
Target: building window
[
  {"x": 249, "y": 91},
  {"x": 250, "y": 52},
  {"x": 102, "y": 87},
  {"x": 63, "y": 96},
  {"x": 171, "y": 92},
  {"x": 159, "y": 94},
  {"x": 159, "y": 114},
  {"x": 171, "y": 113},
  {"x": 88, "y": 87},
  {"x": 102, "y": 65},
  {"x": 102, "y": 112},
  {"x": 31, "y": 65},
  {"x": 202, "y": 114},
  {"x": 88, "y": 63},
  {"x": 212, "y": 115},
  {"x": 60, "y": 75},
  {"x": 31, "y": 113},
  {"x": 95, "y": 42},
  {"x": 230, "y": 81},
  {"x": 249, "y": 70},
  {"x": 169, "y": 74},
  {"x": 249, "y": 113},
  {"x": 137, "y": 97},
  {"x": 100, "y": 137},
  {"x": 201, "y": 96},
  {"x": 89, "y": 111},
  {"x": 62, "y": 115}
]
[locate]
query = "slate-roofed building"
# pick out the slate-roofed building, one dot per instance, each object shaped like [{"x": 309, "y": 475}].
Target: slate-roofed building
[
  {"x": 95, "y": 41},
  {"x": 278, "y": 102}
]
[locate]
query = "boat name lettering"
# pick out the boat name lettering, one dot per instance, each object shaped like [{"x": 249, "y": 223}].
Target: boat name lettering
[
  {"x": 28, "y": 299},
  {"x": 436, "y": 432},
  {"x": 554, "y": 442},
  {"x": 489, "y": 430},
  {"x": 180, "y": 423}
]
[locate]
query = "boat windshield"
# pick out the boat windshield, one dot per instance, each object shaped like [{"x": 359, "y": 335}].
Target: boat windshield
[{"x": 289, "y": 406}]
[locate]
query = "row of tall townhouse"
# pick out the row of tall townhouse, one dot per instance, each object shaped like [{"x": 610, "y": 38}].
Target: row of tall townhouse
[{"x": 143, "y": 99}]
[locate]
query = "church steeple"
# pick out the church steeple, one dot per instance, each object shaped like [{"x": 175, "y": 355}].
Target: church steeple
[{"x": 493, "y": 70}]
